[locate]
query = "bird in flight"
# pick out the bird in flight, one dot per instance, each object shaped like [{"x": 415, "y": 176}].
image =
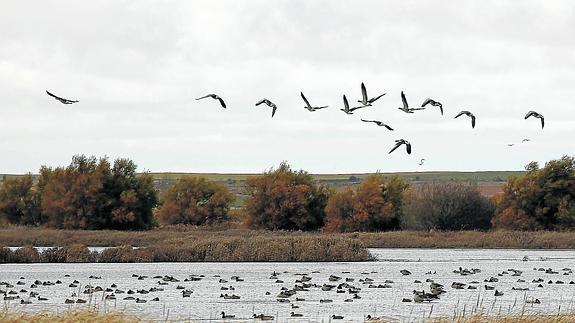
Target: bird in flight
[
  {"x": 346, "y": 107},
  {"x": 64, "y": 101},
  {"x": 215, "y": 97},
  {"x": 364, "y": 98},
  {"x": 536, "y": 115},
  {"x": 433, "y": 103},
  {"x": 510, "y": 145},
  {"x": 379, "y": 123},
  {"x": 400, "y": 142},
  {"x": 308, "y": 106},
  {"x": 469, "y": 114},
  {"x": 406, "y": 107},
  {"x": 421, "y": 161},
  {"x": 525, "y": 140},
  {"x": 269, "y": 104}
]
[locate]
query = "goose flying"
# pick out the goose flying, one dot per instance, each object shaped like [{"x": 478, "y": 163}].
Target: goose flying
[
  {"x": 536, "y": 115},
  {"x": 269, "y": 104},
  {"x": 346, "y": 107},
  {"x": 379, "y": 123},
  {"x": 215, "y": 97},
  {"x": 421, "y": 161},
  {"x": 308, "y": 106},
  {"x": 469, "y": 114},
  {"x": 525, "y": 140},
  {"x": 365, "y": 100},
  {"x": 406, "y": 107},
  {"x": 64, "y": 101},
  {"x": 400, "y": 142},
  {"x": 433, "y": 103}
]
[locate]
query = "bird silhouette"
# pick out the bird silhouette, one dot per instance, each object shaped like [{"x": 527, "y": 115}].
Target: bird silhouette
[
  {"x": 269, "y": 104},
  {"x": 308, "y": 106},
  {"x": 469, "y": 114},
  {"x": 215, "y": 97},
  {"x": 406, "y": 107},
  {"x": 510, "y": 145},
  {"x": 400, "y": 142},
  {"x": 525, "y": 140},
  {"x": 379, "y": 123},
  {"x": 365, "y": 100},
  {"x": 64, "y": 101},
  {"x": 346, "y": 107},
  {"x": 433, "y": 103},
  {"x": 421, "y": 161},
  {"x": 536, "y": 115}
]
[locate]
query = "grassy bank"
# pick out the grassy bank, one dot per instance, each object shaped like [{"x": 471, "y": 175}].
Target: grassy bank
[
  {"x": 519, "y": 318},
  {"x": 68, "y": 317},
  {"x": 20, "y": 236}
]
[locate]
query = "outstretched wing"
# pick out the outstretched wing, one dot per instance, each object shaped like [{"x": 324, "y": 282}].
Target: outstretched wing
[
  {"x": 222, "y": 102},
  {"x": 530, "y": 113},
  {"x": 408, "y": 148},
  {"x": 261, "y": 101},
  {"x": 404, "y": 100},
  {"x": 459, "y": 114},
  {"x": 360, "y": 107},
  {"x": 376, "y": 98},
  {"x": 363, "y": 93},
  {"x": 305, "y": 100},
  {"x": 388, "y": 127},
  {"x": 426, "y": 102},
  {"x": 441, "y": 109},
  {"x": 397, "y": 144},
  {"x": 472, "y": 121},
  {"x": 54, "y": 96},
  {"x": 542, "y": 122},
  {"x": 367, "y": 120},
  {"x": 345, "y": 103},
  {"x": 274, "y": 108}
]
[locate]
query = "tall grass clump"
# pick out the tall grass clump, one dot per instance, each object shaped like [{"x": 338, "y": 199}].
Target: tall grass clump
[{"x": 67, "y": 317}]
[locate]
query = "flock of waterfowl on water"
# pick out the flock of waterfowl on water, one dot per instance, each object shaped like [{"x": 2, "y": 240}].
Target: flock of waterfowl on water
[
  {"x": 291, "y": 290},
  {"x": 365, "y": 102}
]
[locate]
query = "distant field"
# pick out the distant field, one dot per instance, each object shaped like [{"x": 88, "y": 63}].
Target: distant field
[{"x": 490, "y": 182}]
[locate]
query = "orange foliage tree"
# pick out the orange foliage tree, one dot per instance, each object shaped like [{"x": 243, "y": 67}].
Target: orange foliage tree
[
  {"x": 19, "y": 202},
  {"x": 284, "y": 199},
  {"x": 376, "y": 205},
  {"x": 195, "y": 200}
]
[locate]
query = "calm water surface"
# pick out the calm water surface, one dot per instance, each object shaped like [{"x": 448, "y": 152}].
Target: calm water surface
[{"x": 206, "y": 304}]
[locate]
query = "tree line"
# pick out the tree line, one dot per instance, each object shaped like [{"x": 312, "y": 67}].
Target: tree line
[{"x": 94, "y": 193}]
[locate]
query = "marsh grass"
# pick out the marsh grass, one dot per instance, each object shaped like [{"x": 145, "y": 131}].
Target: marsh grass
[
  {"x": 68, "y": 317},
  {"x": 511, "y": 318}
]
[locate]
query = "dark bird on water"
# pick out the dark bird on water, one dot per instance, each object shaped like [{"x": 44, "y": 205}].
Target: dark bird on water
[
  {"x": 64, "y": 101},
  {"x": 346, "y": 107},
  {"x": 400, "y": 142},
  {"x": 215, "y": 97},
  {"x": 469, "y": 114},
  {"x": 269, "y": 104},
  {"x": 536, "y": 115},
  {"x": 406, "y": 107},
  {"x": 379, "y": 123},
  {"x": 433, "y": 103},
  {"x": 308, "y": 106},
  {"x": 365, "y": 100}
]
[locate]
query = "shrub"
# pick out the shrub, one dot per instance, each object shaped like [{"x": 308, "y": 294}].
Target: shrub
[
  {"x": 541, "y": 199},
  {"x": 448, "y": 206},
  {"x": 284, "y": 199},
  {"x": 19, "y": 202},
  {"x": 79, "y": 253},
  {"x": 27, "y": 254},
  {"x": 195, "y": 200},
  {"x": 376, "y": 205}
]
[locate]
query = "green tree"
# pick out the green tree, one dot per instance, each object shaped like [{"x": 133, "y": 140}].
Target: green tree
[
  {"x": 19, "y": 201},
  {"x": 284, "y": 199},
  {"x": 544, "y": 198},
  {"x": 195, "y": 200}
]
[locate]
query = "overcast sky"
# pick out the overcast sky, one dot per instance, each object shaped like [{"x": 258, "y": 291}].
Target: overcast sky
[{"x": 136, "y": 67}]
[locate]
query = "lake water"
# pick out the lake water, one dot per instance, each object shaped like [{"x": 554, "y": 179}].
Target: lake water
[{"x": 206, "y": 304}]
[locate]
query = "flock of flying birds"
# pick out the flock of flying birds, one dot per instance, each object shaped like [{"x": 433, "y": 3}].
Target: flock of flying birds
[{"x": 365, "y": 102}]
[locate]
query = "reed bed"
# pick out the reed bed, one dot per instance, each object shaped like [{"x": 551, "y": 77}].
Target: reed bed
[
  {"x": 68, "y": 317},
  {"x": 511, "y": 318},
  {"x": 21, "y": 236},
  {"x": 207, "y": 249}
]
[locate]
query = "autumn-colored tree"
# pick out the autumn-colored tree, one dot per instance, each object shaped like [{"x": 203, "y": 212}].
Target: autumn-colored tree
[
  {"x": 195, "y": 200},
  {"x": 544, "y": 198},
  {"x": 447, "y": 206},
  {"x": 19, "y": 201},
  {"x": 283, "y": 199},
  {"x": 90, "y": 194},
  {"x": 376, "y": 205}
]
